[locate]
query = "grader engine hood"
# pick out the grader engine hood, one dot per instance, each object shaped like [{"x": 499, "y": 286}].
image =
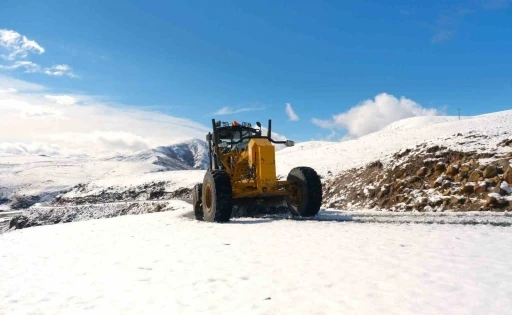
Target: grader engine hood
[{"x": 262, "y": 158}]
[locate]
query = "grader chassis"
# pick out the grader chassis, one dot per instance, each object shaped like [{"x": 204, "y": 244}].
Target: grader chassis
[{"x": 242, "y": 171}]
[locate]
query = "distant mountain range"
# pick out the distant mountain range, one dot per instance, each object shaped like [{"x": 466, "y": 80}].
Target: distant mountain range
[{"x": 187, "y": 155}]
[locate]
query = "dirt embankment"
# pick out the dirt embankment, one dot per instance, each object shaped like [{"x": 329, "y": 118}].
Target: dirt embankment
[
  {"x": 427, "y": 179},
  {"x": 85, "y": 202},
  {"x": 83, "y": 194}
]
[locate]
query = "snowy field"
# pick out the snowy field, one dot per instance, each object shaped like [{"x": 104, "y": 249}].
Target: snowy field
[{"x": 169, "y": 263}]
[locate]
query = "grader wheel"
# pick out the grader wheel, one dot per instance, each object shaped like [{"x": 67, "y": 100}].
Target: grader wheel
[
  {"x": 217, "y": 196},
  {"x": 307, "y": 197}
]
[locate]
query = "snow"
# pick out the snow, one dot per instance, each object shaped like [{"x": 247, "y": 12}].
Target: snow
[
  {"x": 174, "y": 180},
  {"x": 505, "y": 186},
  {"x": 327, "y": 157},
  {"x": 35, "y": 174},
  {"x": 169, "y": 263}
]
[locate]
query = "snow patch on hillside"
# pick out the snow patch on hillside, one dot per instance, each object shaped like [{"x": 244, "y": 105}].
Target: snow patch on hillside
[{"x": 330, "y": 158}]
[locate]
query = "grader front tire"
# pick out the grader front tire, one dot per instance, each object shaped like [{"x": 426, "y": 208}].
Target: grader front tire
[
  {"x": 217, "y": 196},
  {"x": 307, "y": 200}
]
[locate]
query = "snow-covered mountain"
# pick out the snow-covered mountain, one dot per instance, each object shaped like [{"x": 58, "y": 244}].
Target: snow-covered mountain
[{"x": 186, "y": 155}]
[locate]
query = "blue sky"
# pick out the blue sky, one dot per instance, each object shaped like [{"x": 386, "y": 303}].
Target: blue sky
[{"x": 190, "y": 59}]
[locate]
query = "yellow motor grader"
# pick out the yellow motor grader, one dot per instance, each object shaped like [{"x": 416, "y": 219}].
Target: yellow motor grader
[{"x": 242, "y": 170}]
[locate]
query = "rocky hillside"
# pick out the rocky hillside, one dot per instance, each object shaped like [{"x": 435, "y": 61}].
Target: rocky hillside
[{"x": 430, "y": 178}]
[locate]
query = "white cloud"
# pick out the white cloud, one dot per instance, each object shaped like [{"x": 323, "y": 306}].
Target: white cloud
[
  {"x": 29, "y": 66},
  {"x": 374, "y": 114},
  {"x": 39, "y": 112},
  {"x": 29, "y": 148},
  {"x": 17, "y": 45},
  {"x": 8, "y": 90},
  {"x": 15, "y": 48},
  {"x": 93, "y": 127},
  {"x": 106, "y": 141},
  {"x": 60, "y": 70},
  {"x": 10, "y": 84},
  {"x": 291, "y": 114},
  {"x": 229, "y": 111},
  {"x": 61, "y": 99}
]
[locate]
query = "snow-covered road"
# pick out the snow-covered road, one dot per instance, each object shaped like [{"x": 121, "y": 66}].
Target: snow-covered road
[{"x": 167, "y": 263}]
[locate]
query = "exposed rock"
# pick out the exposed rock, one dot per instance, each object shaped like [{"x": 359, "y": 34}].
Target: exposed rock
[
  {"x": 446, "y": 184},
  {"x": 496, "y": 201},
  {"x": 480, "y": 189},
  {"x": 436, "y": 202},
  {"x": 440, "y": 167},
  {"x": 421, "y": 203},
  {"x": 508, "y": 176},
  {"x": 437, "y": 183},
  {"x": 493, "y": 181},
  {"x": 498, "y": 190},
  {"x": 422, "y": 172},
  {"x": 377, "y": 164},
  {"x": 482, "y": 168},
  {"x": 37, "y": 216},
  {"x": 490, "y": 171},
  {"x": 457, "y": 200},
  {"x": 452, "y": 170},
  {"x": 434, "y": 149},
  {"x": 413, "y": 179},
  {"x": 384, "y": 191},
  {"x": 398, "y": 185},
  {"x": 465, "y": 169},
  {"x": 468, "y": 189},
  {"x": 18, "y": 222},
  {"x": 369, "y": 191},
  {"x": 506, "y": 142},
  {"x": 24, "y": 202},
  {"x": 148, "y": 191},
  {"x": 458, "y": 178},
  {"x": 475, "y": 176}
]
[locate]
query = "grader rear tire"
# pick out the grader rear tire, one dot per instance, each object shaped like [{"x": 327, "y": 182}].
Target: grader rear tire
[
  {"x": 308, "y": 197},
  {"x": 197, "y": 193},
  {"x": 217, "y": 197}
]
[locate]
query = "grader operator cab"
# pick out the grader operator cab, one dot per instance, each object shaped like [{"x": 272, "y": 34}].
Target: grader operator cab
[{"x": 242, "y": 170}]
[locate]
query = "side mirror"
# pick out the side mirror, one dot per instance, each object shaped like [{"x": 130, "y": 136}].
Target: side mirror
[
  {"x": 209, "y": 137},
  {"x": 258, "y": 124},
  {"x": 290, "y": 143}
]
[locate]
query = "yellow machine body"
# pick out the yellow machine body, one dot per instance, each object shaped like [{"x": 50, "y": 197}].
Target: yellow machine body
[{"x": 253, "y": 171}]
